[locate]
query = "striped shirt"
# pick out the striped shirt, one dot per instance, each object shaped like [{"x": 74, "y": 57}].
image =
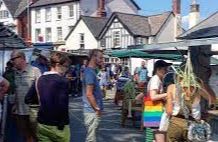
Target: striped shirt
[{"x": 23, "y": 82}]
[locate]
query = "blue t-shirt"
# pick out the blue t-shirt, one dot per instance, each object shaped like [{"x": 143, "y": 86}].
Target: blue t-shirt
[
  {"x": 143, "y": 73},
  {"x": 90, "y": 78}
]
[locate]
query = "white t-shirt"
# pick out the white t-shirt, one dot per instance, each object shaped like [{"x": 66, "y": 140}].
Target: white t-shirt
[{"x": 155, "y": 84}]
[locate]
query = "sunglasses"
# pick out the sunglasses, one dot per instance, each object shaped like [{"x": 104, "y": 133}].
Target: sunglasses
[{"x": 12, "y": 59}]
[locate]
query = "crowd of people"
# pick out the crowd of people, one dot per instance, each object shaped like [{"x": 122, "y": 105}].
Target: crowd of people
[{"x": 45, "y": 85}]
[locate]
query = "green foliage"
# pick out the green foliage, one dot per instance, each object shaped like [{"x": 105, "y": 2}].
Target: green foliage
[
  {"x": 186, "y": 77},
  {"x": 129, "y": 90}
]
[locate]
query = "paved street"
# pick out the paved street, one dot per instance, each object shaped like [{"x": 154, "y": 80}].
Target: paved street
[{"x": 110, "y": 129}]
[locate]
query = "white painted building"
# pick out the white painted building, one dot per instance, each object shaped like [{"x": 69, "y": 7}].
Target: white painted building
[
  {"x": 51, "y": 23},
  {"x": 85, "y": 34}
]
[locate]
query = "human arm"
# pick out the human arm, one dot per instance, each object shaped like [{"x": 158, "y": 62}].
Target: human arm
[
  {"x": 90, "y": 82},
  {"x": 169, "y": 100},
  {"x": 91, "y": 98},
  {"x": 155, "y": 96}
]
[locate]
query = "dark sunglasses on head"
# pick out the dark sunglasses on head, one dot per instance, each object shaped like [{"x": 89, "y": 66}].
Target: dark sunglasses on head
[{"x": 12, "y": 59}]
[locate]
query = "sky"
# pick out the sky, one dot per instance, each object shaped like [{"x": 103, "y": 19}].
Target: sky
[{"x": 149, "y": 7}]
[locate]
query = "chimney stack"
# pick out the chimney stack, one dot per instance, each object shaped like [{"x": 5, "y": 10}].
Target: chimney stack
[
  {"x": 177, "y": 20},
  {"x": 177, "y": 7},
  {"x": 194, "y": 15},
  {"x": 101, "y": 8}
]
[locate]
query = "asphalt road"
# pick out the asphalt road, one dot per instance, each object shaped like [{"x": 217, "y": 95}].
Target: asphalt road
[{"x": 110, "y": 129}]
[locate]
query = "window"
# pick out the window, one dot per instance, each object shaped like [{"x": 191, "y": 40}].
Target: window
[
  {"x": 59, "y": 33},
  {"x": 103, "y": 42},
  {"x": 59, "y": 13},
  {"x": 71, "y": 11},
  {"x": 37, "y": 34},
  {"x": 82, "y": 37},
  {"x": 139, "y": 41},
  {"x": 4, "y": 14},
  {"x": 116, "y": 38},
  {"x": 48, "y": 14},
  {"x": 48, "y": 34},
  {"x": 38, "y": 16}
]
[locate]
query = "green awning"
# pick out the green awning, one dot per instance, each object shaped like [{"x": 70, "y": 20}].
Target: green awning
[{"x": 140, "y": 54}]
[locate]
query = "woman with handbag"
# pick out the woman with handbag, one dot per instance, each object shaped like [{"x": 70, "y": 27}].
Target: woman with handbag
[
  {"x": 52, "y": 91},
  {"x": 154, "y": 102},
  {"x": 183, "y": 108}
]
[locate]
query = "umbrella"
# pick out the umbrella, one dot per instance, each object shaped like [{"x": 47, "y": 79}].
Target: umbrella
[{"x": 140, "y": 54}]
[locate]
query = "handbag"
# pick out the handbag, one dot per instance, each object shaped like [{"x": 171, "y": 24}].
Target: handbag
[
  {"x": 199, "y": 131},
  {"x": 34, "y": 108},
  {"x": 153, "y": 111}
]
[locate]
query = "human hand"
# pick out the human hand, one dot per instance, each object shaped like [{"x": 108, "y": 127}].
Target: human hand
[{"x": 98, "y": 113}]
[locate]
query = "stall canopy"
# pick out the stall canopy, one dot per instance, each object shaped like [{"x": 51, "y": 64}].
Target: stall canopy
[{"x": 140, "y": 54}]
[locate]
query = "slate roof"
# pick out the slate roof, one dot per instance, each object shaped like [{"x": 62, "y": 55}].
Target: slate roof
[
  {"x": 95, "y": 25},
  {"x": 21, "y": 7},
  {"x": 9, "y": 39},
  {"x": 157, "y": 21},
  {"x": 139, "y": 25},
  {"x": 50, "y": 2},
  {"x": 207, "y": 28},
  {"x": 12, "y": 5}
]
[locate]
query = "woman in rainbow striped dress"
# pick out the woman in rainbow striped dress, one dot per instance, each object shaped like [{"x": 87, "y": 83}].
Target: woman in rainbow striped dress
[{"x": 153, "y": 103}]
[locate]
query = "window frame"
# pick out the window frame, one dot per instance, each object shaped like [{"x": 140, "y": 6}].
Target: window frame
[
  {"x": 71, "y": 11},
  {"x": 59, "y": 13},
  {"x": 82, "y": 40},
  {"x": 38, "y": 16},
  {"x": 59, "y": 33},
  {"x": 48, "y": 14},
  {"x": 37, "y": 34},
  {"x": 116, "y": 38},
  {"x": 48, "y": 36}
]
